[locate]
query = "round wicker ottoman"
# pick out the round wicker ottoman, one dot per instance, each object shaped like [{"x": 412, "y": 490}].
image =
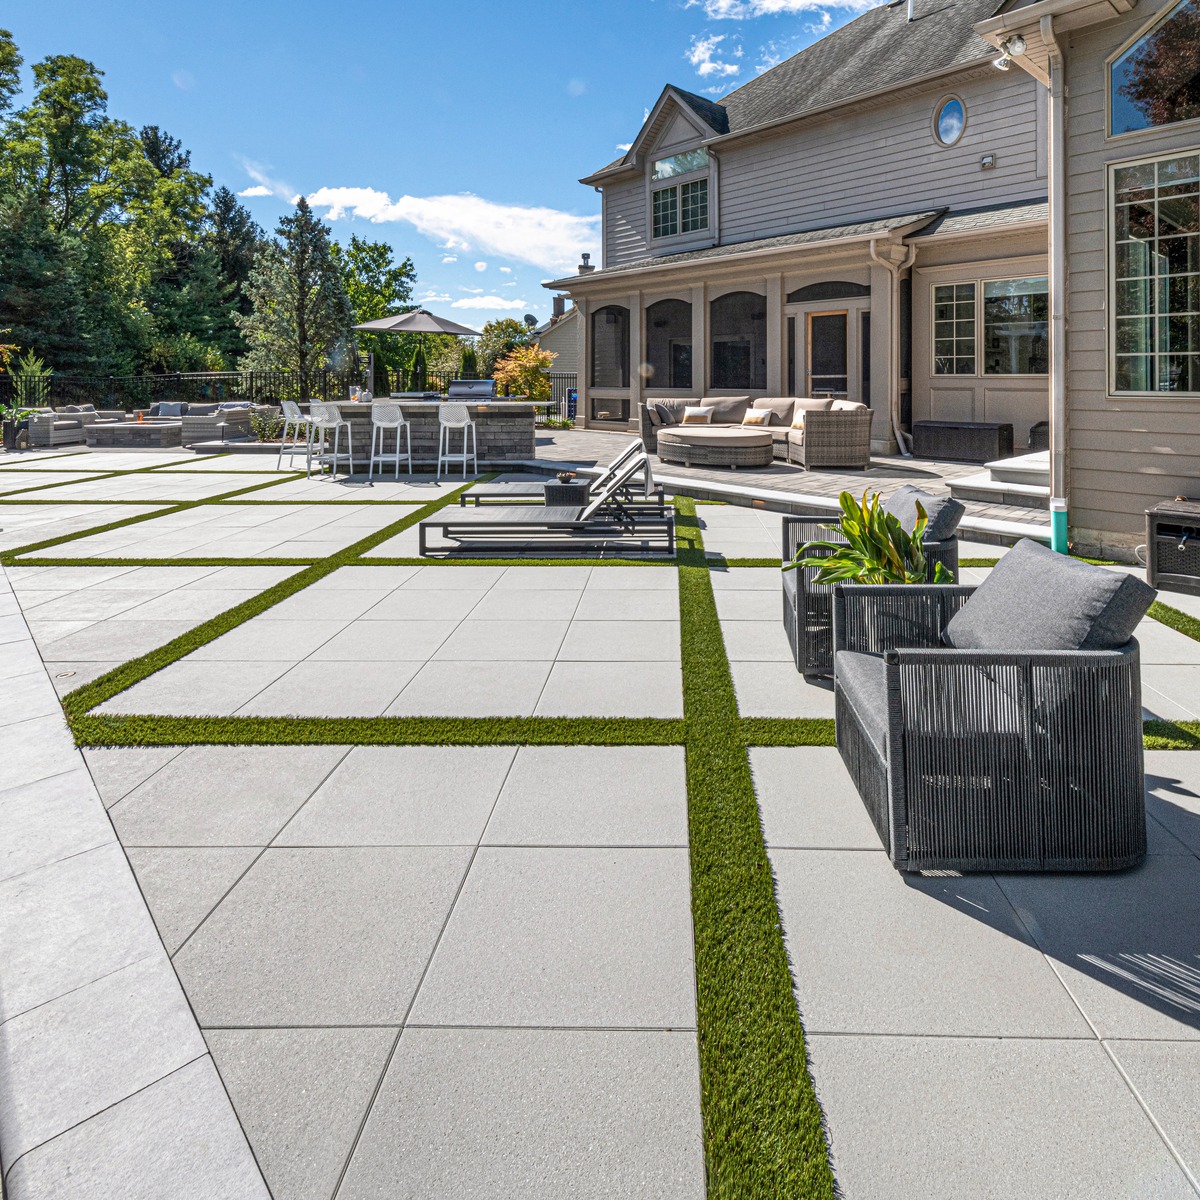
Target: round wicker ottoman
[{"x": 728, "y": 447}]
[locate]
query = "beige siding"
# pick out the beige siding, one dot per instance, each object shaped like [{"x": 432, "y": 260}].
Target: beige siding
[
  {"x": 885, "y": 161},
  {"x": 625, "y": 232},
  {"x": 564, "y": 340},
  {"x": 1125, "y": 453}
]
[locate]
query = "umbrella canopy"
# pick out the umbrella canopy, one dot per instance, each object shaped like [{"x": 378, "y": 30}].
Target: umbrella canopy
[{"x": 417, "y": 321}]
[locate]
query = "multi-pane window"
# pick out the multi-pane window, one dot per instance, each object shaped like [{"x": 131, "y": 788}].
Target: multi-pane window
[
  {"x": 1157, "y": 80},
  {"x": 1155, "y": 265},
  {"x": 680, "y": 164},
  {"x": 666, "y": 212},
  {"x": 954, "y": 329},
  {"x": 691, "y": 198},
  {"x": 1016, "y": 327}
]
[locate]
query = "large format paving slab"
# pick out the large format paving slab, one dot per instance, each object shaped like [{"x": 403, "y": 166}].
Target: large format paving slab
[
  {"x": 439, "y": 641},
  {"x": 28, "y": 524},
  {"x": 992, "y": 1035}
]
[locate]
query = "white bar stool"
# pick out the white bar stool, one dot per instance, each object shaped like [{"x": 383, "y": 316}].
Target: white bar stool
[
  {"x": 450, "y": 418},
  {"x": 294, "y": 418},
  {"x": 384, "y": 417},
  {"x": 326, "y": 418}
]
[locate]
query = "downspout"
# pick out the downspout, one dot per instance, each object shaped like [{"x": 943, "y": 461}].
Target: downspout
[
  {"x": 895, "y": 270},
  {"x": 715, "y": 199},
  {"x": 1058, "y": 291}
]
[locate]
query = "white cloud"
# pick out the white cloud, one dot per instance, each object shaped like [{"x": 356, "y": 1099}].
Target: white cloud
[
  {"x": 506, "y": 270},
  {"x": 487, "y": 302},
  {"x": 545, "y": 237},
  {"x": 624, "y": 146},
  {"x": 472, "y": 291},
  {"x": 262, "y": 177},
  {"x": 449, "y": 258},
  {"x": 481, "y": 266},
  {"x": 701, "y": 54},
  {"x": 183, "y": 80},
  {"x": 576, "y": 87},
  {"x": 743, "y": 10},
  {"x": 434, "y": 298}
]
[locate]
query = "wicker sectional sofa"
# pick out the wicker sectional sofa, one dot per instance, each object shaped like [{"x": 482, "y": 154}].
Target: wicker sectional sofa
[
  {"x": 833, "y": 433},
  {"x": 68, "y": 425}
]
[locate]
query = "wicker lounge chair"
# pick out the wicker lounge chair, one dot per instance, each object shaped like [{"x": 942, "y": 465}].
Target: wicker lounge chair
[
  {"x": 609, "y": 521},
  {"x": 997, "y": 728},
  {"x": 808, "y": 605},
  {"x": 514, "y": 493}
]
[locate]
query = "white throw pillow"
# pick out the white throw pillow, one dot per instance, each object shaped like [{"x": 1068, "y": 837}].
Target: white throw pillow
[
  {"x": 697, "y": 415},
  {"x": 757, "y": 416}
]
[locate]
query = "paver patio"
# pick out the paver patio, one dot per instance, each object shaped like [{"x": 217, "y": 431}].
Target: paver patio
[{"x": 469, "y": 969}]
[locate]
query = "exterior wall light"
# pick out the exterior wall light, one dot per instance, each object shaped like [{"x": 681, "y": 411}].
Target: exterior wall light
[
  {"x": 1014, "y": 46},
  {"x": 1002, "y": 63}
]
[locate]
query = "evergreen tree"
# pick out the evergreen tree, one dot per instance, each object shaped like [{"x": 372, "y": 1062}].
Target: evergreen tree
[
  {"x": 300, "y": 317},
  {"x": 166, "y": 154},
  {"x": 10, "y": 70}
]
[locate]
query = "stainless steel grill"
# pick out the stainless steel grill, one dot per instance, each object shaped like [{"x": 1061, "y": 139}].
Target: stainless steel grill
[{"x": 473, "y": 389}]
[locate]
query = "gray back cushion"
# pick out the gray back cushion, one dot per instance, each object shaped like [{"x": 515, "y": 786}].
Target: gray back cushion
[
  {"x": 669, "y": 411},
  {"x": 170, "y": 408},
  {"x": 944, "y": 512},
  {"x": 1035, "y": 599},
  {"x": 726, "y": 410},
  {"x": 201, "y": 410}
]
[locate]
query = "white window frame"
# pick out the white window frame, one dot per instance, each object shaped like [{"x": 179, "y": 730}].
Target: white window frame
[
  {"x": 978, "y": 284},
  {"x": 695, "y": 237},
  {"x": 1110, "y": 273}
]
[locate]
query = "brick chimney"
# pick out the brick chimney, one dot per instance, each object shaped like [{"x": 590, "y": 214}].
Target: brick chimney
[{"x": 558, "y": 308}]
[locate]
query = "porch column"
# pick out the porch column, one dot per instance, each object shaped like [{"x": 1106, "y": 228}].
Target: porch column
[
  {"x": 637, "y": 340},
  {"x": 699, "y": 339},
  {"x": 885, "y": 370},
  {"x": 583, "y": 383},
  {"x": 776, "y": 340}
]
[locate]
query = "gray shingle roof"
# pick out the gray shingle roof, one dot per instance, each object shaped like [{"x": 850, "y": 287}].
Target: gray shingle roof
[
  {"x": 994, "y": 216},
  {"x": 878, "y": 50},
  {"x": 783, "y": 242},
  {"x": 709, "y": 112}
]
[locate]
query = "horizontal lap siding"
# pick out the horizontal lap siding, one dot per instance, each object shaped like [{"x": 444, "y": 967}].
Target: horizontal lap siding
[
  {"x": 1125, "y": 453},
  {"x": 884, "y": 161},
  {"x": 625, "y": 233}
]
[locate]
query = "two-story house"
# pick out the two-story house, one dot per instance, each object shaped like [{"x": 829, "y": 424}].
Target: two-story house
[{"x": 868, "y": 219}]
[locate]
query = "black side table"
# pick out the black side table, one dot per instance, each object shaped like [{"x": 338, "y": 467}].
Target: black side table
[
  {"x": 566, "y": 495},
  {"x": 1173, "y": 546}
]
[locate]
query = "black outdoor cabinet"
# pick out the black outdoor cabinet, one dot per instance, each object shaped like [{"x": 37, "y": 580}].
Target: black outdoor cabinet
[
  {"x": 963, "y": 441},
  {"x": 1173, "y": 546}
]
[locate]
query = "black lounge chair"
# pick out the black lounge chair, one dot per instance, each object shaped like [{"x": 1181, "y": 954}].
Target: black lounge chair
[
  {"x": 608, "y": 522},
  {"x": 515, "y": 493}
]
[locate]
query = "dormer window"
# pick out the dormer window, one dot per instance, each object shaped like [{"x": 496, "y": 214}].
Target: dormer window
[
  {"x": 1156, "y": 80},
  {"x": 682, "y": 207}
]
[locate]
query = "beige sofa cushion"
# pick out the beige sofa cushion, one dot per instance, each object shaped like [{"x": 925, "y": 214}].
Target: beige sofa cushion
[
  {"x": 807, "y": 404},
  {"x": 727, "y": 410},
  {"x": 847, "y": 405},
  {"x": 780, "y": 408}
]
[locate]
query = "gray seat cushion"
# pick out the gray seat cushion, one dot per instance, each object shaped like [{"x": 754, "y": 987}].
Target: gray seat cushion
[
  {"x": 862, "y": 679},
  {"x": 943, "y": 512},
  {"x": 1035, "y": 599}
]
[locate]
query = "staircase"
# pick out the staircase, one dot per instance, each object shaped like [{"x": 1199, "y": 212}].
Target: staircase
[{"x": 1023, "y": 481}]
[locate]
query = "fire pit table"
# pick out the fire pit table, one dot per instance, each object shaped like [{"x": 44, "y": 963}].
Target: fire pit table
[{"x": 155, "y": 432}]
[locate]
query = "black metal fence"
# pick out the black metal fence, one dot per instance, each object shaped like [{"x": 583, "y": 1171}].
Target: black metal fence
[{"x": 261, "y": 387}]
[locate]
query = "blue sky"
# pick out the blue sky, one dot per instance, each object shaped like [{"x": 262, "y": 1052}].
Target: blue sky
[{"x": 455, "y": 130}]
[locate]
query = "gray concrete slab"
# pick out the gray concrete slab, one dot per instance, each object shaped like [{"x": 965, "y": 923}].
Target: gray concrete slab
[
  {"x": 806, "y": 800},
  {"x": 542, "y": 579},
  {"x": 582, "y": 952},
  {"x": 1126, "y": 945},
  {"x": 116, "y": 772},
  {"x": 223, "y": 795},
  {"x": 612, "y": 689},
  {"x": 642, "y": 604},
  {"x": 655, "y": 577},
  {"x": 403, "y": 796},
  {"x": 738, "y": 579},
  {"x": 1179, "y": 684},
  {"x": 91, "y": 1048},
  {"x": 487, "y": 1114},
  {"x": 386, "y": 641},
  {"x": 48, "y": 820},
  {"x": 592, "y": 796},
  {"x": 322, "y": 937},
  {"x": 117, "y": 641},
  {"x": 876, "y": 960},
  {"x": 1166, "y": 1076},
  {"x": 478, "y": 640},
  {"x": 301, "y": 1095},
  {"x": 1173, "y": 794},
  {"x": 176, "y": 1138},
  {"x": 364, "y": 579},
  {"x": 182, "y": 885},
  {"x": 986, "y": 1118},
  {"x": 445, "y": 578},
  {"x": 756, "y": 641},
  {"x": 188, "y": 688},
  {"x": 777, "y": 689},
  {"x": 265, "y": 639},
  {"x": 332, "y": 689},
  {"x": 422, "y": 605},
  {"x": 472, "y": 689},
  {"x": 510, "y": 604},
  {"x": 34, "y": 749},
  {"x": 639, "y": 641},
  {"x": 749, "y": 604}
]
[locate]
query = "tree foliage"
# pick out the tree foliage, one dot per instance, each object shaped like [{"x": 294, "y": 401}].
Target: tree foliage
[
  {"x": 378, "y": 286},
  {"x": 498, "y": 339},
  {"x": 524, "y": 371}
]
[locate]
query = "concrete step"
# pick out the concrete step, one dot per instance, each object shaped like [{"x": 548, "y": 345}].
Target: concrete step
[
  {"x": 1024, "y": 468},
  {"x": 985, "y": 489}
]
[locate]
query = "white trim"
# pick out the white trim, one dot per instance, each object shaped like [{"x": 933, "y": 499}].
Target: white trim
[
  {"x": 978, "y": 282},
  {"x": 937, "y": 112}
]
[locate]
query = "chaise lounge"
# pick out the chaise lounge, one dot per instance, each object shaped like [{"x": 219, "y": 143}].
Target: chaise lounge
[{"x": 997, "y": 728}]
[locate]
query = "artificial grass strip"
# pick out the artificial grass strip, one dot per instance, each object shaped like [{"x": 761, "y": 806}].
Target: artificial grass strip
[
  {"x": 1181, "y": 622},
  {"x": 978, "y": 562},
  {"x": 166, "y": 562},
  {"x": 1171, "y": 735},
  {"x": 762, "y": 1128},
  {"x": 783, "y": 731},
  {"x": 101, "y": 729},
  {"x": 721, "y": 562},
  {"x": 119, "y": 679},
  {"x": 377, "y": 561}
]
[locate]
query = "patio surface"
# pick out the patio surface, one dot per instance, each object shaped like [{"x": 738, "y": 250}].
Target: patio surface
[{"x": 470, "y": 970}]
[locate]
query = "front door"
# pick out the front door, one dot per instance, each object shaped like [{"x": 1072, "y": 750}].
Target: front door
[{"x": 828, "y": 358}]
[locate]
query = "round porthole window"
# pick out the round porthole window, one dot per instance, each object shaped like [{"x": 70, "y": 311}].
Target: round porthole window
[{"x": 950, "y": 122}]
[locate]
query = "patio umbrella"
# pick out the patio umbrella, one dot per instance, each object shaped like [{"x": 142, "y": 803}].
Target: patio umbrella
[{"x": 417, "y": 321}]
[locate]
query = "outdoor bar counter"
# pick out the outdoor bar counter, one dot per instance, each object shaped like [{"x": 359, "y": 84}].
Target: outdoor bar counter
[{"x": 503, "y": 429}]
